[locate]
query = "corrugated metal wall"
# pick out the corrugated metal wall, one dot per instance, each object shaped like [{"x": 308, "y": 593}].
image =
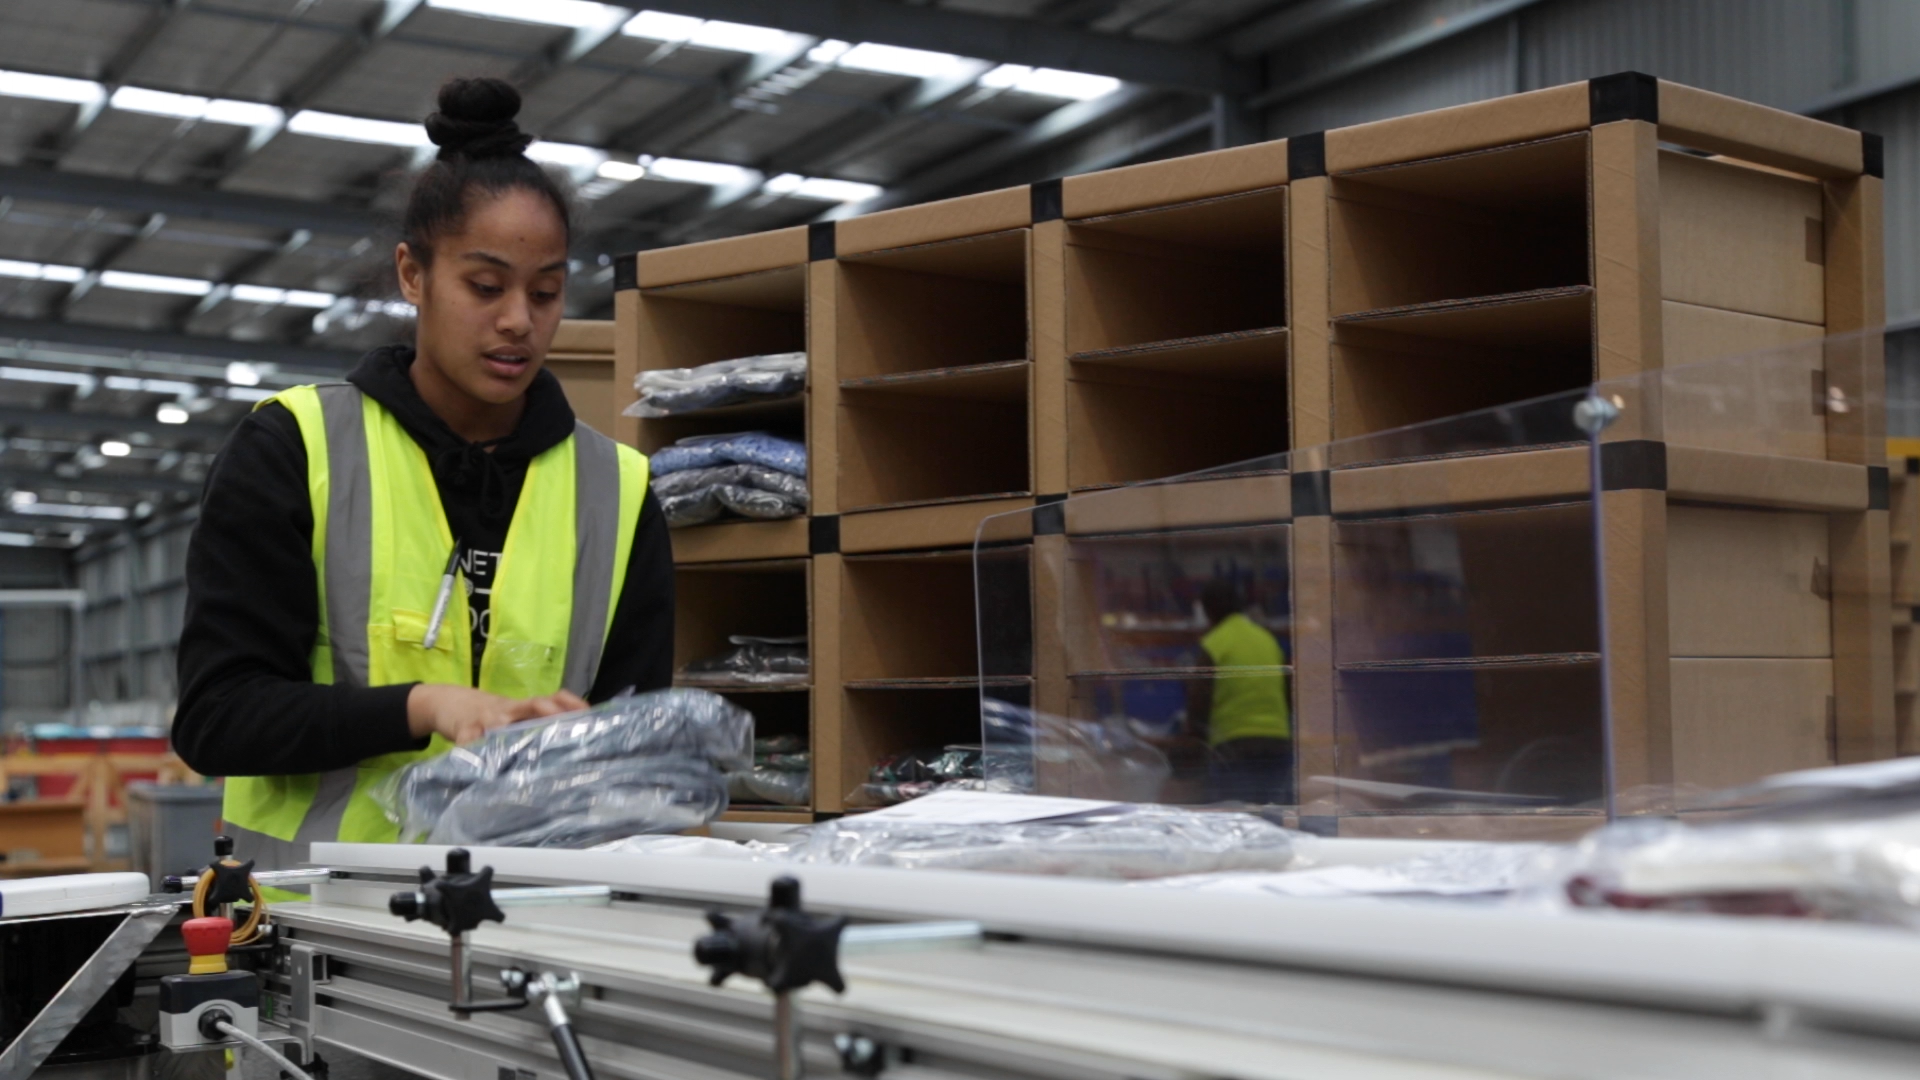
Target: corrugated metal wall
[
  {"x": 1791, "y": 54},
  {"x": 136, "y": 604}
]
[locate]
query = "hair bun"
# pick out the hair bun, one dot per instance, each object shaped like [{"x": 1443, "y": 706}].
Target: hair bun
[{"x": 476, "y": 120}]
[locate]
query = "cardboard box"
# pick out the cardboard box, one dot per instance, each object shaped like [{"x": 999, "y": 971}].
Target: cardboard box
[{"x": 581, "y": 357}]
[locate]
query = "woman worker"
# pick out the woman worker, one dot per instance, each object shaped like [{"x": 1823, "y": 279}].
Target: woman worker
[{"x": 326, "y": 644}]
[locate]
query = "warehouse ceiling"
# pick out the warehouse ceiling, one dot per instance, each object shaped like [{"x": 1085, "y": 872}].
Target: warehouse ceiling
[{"x": 196, "y": 195}]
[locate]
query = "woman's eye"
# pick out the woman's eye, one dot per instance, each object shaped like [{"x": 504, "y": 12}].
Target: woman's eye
[
  {"x": 486, "y": 290},
  {"x": 546, "y": 297}
]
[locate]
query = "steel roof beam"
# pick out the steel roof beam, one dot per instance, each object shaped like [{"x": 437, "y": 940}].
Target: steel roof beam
[
  {"x": 987, "y": 37},
  {"x": 296, "y": 357},
  {"x": 173, "y": 200},
  {"x": 88, "y": 423},
  {"x": 105, "y": 483}
]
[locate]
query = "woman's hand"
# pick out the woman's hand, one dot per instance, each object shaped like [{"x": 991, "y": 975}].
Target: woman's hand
[{"x": 463, "y": 714}]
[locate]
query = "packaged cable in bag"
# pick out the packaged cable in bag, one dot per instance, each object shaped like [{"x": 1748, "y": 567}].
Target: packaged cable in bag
[
  {"x": 752, "y": 661},
  {"x": 751, "y": 379},
  {"x": 644, "y": 763}
]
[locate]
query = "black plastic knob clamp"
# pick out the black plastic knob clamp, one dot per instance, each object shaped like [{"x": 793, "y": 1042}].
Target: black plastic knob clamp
[
  {"x": 232, "y": 881},
  {"x": 456, "y": 901},
  {"x": 782, "y": 946}
]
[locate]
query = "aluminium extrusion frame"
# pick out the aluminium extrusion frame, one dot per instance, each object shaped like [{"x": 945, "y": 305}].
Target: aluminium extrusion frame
[{"x": 1102, "y": 980}]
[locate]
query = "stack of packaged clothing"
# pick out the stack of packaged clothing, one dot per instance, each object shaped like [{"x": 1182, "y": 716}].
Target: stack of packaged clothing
[
  {"x": 745, "y": 474},
  {"x": 753, "y": 661},
  {"x": 909, "y": 775},
  {"x": 749, "y": 380},
  {"x": 782, "y": 773}
]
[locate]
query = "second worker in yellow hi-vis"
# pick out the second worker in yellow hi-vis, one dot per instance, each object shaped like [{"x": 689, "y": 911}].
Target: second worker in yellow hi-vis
[{"x": 435, "y": 547}]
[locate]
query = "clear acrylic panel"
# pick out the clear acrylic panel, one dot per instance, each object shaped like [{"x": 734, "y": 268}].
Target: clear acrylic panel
[{"x": 1430, "y": 631}]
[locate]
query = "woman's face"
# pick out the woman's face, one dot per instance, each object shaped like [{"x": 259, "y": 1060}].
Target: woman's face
[{"x": 492, "y": 299}]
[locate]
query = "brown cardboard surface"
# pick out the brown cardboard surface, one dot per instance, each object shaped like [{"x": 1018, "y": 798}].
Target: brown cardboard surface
[
  {"x": 1556, "y": 828},
  {"x": 1157, "y": 183},
  {"x": 1709, "y": 121},
  {"x": 1737, "y": 239},
  {"x": 1005, "y": 381},
  {"x": 1197, "y": 269},
  {"x": 938, "y": 305},
  {"x": 1735, "y": 721},
  {"x": 626, "y": 364},
  {"x": 737, "y": 541},
  {"x": 1310, "y": 380},
  {"x": 1480, "y": 224},
  {"x": 832, "y": 772},
  {"x": 880, "y": 723},
  {"x": 1128, "y": 425},
  {"x": 968, "y": 215},
  {"x": 1252, "y": 355},
  {"x": 1515, "y": 118},
  {"x": 947, "y": 525},
  {"x": 1626, "y": 258},
  {"x": 1749, "y": 583},
  {"x": 1384, "y": 380},
  {"x": 1188, "y": 504},
  {"x": 910, "y": 616},
  {"x": 1315, "y": 729},
  {"x": 1558, "y": 318},
  {"x": 593, "y": 336},
  {"x": 1046, "y": 290},
  {"x": 1525, "y": 586},
  {"x": 679, "y": 330},
  {"x": 1864, "y": 721},
  {"x": 1494, "y": 479},
  {"x": 899, "y": 449},
  {"x": 1636, "y": 581},
  {"x": 1741, "y": 479},
  {"x": 1857, "y": 308},
  {"x": 1051, "y": 691},
  {"x": 1767, "y": 396},
  {"x": 723, "y": 258},
  {"x": 713, "y": 601},
  {"x": 588, "y": 385},
  {"x": 823, "y": 375}
]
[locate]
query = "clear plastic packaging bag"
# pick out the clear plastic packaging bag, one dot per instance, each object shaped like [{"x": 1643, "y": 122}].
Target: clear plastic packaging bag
[
  {"x": 920, "y": 771},
  {"x": 727, "y": 382},
  {"x": 1085, "y": 759},
  {"x": 702, "y": 505},
  {"x": 738, "y": 448},
  {"x": 644, "y": 763},
  {"x": 762, "y": 784},
  {"x": 753, "y": 661},
  {"x": 1121, "y": 841},
  {"x": 758, "y": 477},
  {"x": 702, "y": 847}
]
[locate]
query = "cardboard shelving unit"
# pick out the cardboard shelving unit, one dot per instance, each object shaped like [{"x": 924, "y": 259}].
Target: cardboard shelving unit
[
  {"x": 768, "y": 598},
  {"x": 991, "y": 353},
  {"x": 721, "y": 300},
  {"x": 582, "y": 359},
  {"x": 1533, "y": 244},
  {"x": 1903, "y": 534},
  {"x": 907, "y": 656}
]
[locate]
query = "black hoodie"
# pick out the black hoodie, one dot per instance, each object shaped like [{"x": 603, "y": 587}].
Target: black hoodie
[{"x": 248, "y": 705}]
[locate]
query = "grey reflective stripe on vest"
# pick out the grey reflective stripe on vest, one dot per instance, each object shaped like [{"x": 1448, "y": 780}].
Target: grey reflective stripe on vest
[
  {"x": 596, "y": 468},
  {"x": 321, "y": 825},
  {"x": 349, "y": 585}
]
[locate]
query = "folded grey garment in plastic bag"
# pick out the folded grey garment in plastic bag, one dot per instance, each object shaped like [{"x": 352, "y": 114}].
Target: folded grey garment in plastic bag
[
  {"x": 700, "y": 506},
  {"x": 1120, "y": 841},
  {"x": 725, "y": 382},
  {"x": 643, "y": 763},
  {"x": 748, "y": 476},
  {"x": 738, "y": 448},
  {"x": 778, "y": 786}
]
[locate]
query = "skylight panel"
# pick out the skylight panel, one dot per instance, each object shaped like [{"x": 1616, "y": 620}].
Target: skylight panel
[
  {"x": 895, "y": 60},
  {"x": 357, "y": 129},
  {"x": 576, "y": 14}
]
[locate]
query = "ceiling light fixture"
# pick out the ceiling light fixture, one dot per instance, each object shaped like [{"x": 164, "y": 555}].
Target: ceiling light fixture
[
  {"x": 895, "y": 60},
  {"x": 578, "y": 14},
  {"x": 159, "y": 283},
  {"x": 192, "y": 107},
  {"x": 709, "y": 33},
  {"x": 51, "y": 88},
  {"x": 40, "y": 271},
  {"x": 171, "y": 413},
  {"x": 327, "y": 125},
  {"x": 711, "y": 173},
  {"x": 241, "y": 373},
  {"x": 624, "y": 171},
  {"x": 1050, "y": 82},
  {"x": 115, "y": 448}
]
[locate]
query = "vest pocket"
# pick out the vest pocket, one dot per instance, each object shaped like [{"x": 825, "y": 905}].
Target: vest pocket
[{"x": 410, "y": 628}]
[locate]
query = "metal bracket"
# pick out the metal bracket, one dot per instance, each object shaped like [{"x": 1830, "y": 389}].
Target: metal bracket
[
  {"x": 44, "y": 1033},
  {"x": 306, "y": 972}
]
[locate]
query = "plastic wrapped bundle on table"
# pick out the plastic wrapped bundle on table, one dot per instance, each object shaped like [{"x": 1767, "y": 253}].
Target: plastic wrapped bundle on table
[
  {"x": 1118, "y": 840},
  {"x": 749, "y": 380},
  {"x": 782, "y": 773},
  {"x": 644, "y": 763},
  {"x": 751, "y": 475}
]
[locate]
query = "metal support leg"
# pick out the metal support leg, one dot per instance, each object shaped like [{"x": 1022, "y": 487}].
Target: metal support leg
[{"x": 786, "y": 1036}]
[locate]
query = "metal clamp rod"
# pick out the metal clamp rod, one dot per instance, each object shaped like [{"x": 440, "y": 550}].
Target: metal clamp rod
[
  {"x": 882, "y": 938},
  {"x": 582, "y": 895},
  {"x": 308, "y": 876}
]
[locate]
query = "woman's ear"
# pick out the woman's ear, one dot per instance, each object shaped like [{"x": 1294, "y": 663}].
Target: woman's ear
[{"x": 412, "y": 273}]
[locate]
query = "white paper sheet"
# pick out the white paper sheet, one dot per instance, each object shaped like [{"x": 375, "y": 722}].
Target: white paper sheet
[{"x": 985, "y": 808}]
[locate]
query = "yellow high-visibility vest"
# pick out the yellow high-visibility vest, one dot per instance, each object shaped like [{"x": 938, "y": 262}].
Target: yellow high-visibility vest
[
  {"x": 1249, "y": 682},
  {"x": 380, "y": 547}
]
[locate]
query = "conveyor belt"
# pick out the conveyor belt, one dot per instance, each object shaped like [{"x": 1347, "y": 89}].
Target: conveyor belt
[{"x": 1077, "y": 994}]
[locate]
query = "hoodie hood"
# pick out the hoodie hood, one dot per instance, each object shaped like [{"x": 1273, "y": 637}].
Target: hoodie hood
[{"x": 489, "y": 472}]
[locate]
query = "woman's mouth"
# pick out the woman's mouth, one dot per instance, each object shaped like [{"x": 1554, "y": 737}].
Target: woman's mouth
[{"x": 507, "y": 363}]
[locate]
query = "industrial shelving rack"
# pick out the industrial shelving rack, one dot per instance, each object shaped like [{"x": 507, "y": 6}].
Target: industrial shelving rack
[{"x": 999, "y": 352}]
